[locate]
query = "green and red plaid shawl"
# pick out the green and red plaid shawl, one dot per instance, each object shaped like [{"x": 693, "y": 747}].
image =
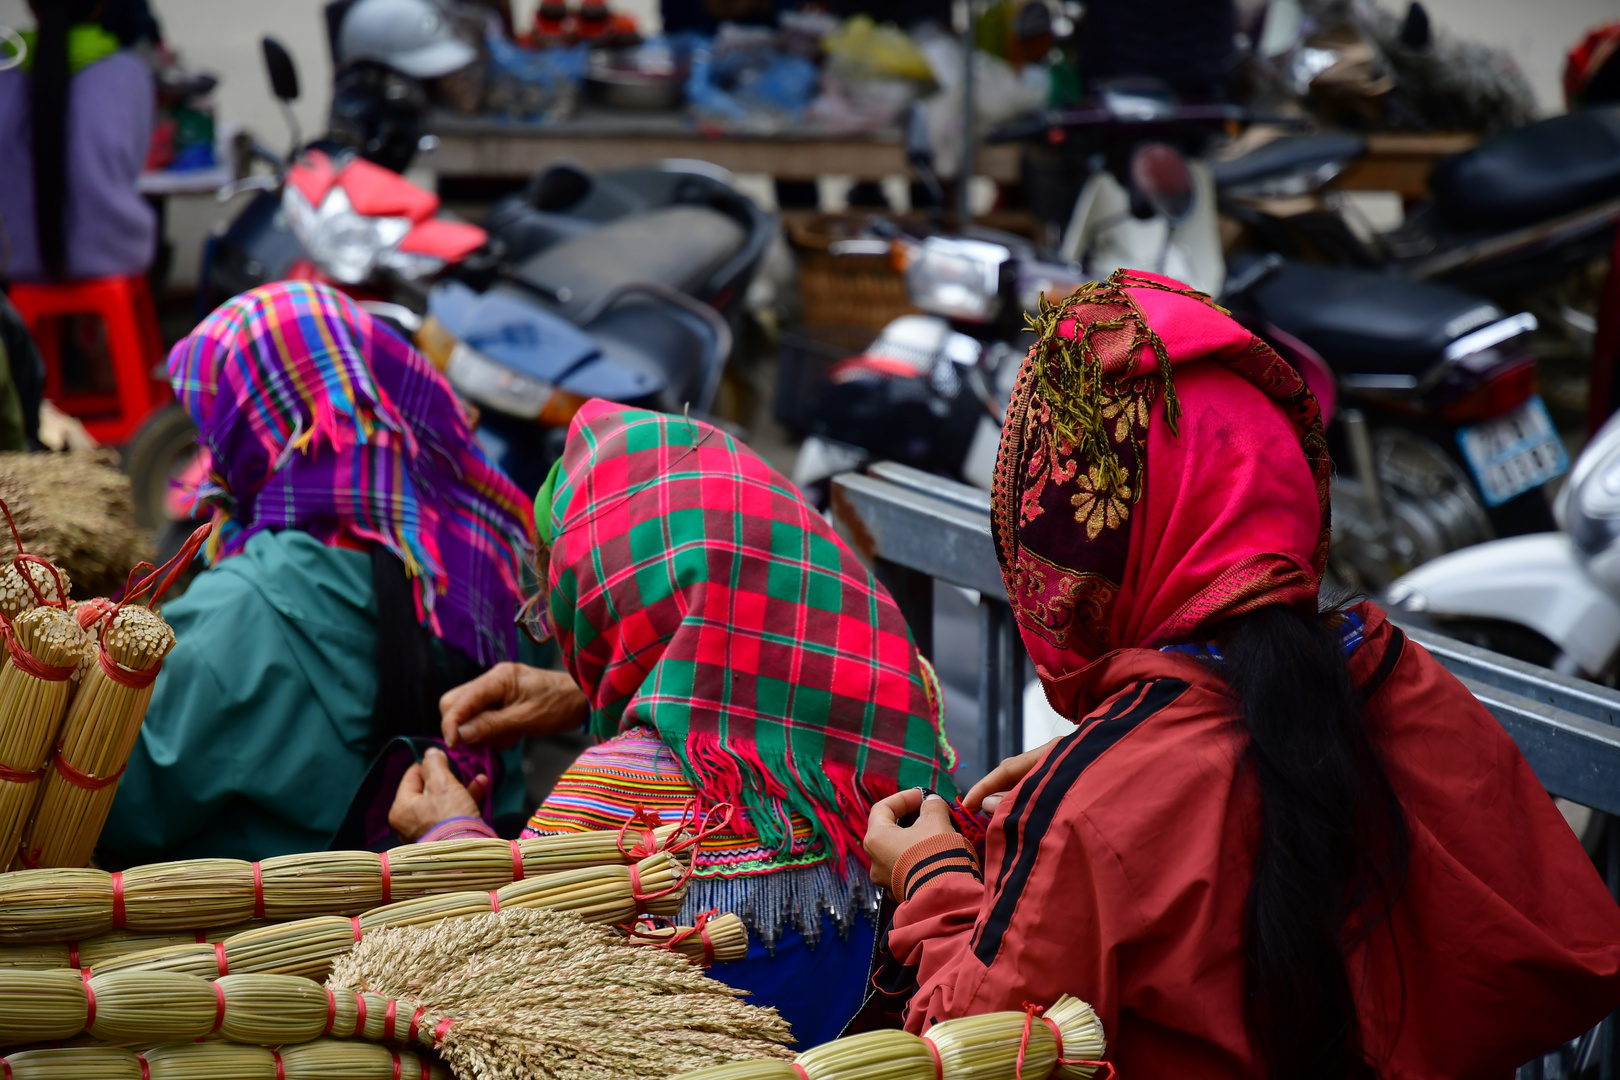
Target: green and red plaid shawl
[{"x": 694, "y": 591}]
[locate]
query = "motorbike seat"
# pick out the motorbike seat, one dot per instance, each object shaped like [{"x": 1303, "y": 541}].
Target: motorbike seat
[
  {"x": 1286, "y": 156},
  {"x": 1363, "y": 323},
  {"x": 1542, "y": 170},
  {"x": 682, "y": 247}
]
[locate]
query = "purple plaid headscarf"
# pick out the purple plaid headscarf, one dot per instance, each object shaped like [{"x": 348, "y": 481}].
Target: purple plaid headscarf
[{"x": 316, "y": 418}]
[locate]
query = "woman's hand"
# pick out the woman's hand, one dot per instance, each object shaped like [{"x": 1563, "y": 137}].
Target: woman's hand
[
  {"x": 986, "y": 795},
  {"x": 510, "y": 701},
  {"x": 429, "y": 793},
  {"x": 887, "y": 839}
]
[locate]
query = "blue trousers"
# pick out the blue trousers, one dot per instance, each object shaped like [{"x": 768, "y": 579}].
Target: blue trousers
[{"x": 817, "y": 990}]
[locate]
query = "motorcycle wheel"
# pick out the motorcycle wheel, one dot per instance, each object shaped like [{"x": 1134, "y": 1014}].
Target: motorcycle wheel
[{"x": 157, "y": 454}]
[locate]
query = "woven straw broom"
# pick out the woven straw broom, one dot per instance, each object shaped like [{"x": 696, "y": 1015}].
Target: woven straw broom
[
  {"x": 604, "y": 894},
  {"x": 104, "y": 718},
  {"x": 211, "y": 893},
  {"x": 544, "y": 994},
  {"x": 104, "y": 948},
  {"x": 320, "y": 1060},
  {"x": 44, "y": 647},
  {"x": 711, "y": 938},
  {"x": 1065, "y": 1043}
]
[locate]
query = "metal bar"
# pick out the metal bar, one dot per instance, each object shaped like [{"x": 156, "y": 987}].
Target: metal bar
[
  {"x": 1518, "y": 677},
  {"x": 1012, "y": 686},
  {"x": 913, "y": 592},
  {"x": 936, "y": 536},
  {"x": 990, "y": 617},
  {"x": 1572, "y": 755}
]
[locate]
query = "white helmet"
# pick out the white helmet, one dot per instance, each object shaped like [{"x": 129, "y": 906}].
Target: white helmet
[{"x": 410, "y": 36}]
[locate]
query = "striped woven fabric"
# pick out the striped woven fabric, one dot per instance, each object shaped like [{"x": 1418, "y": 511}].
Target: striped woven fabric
[{"x": 635, "y": 770}]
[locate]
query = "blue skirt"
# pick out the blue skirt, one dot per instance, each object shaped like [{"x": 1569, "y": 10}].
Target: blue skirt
[{"x": 817, "y": 989}]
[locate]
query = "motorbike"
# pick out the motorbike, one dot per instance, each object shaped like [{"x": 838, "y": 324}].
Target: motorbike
[
  {"x": 1551, "y": 598},
  {"x": 1436, "y": 386}
]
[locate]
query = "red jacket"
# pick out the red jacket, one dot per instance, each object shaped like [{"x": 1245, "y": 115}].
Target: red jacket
[{"x": 1118, "y": 869}]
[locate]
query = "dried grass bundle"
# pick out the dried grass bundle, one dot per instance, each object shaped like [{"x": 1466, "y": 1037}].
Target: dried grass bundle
[
  {"x": 986, "y": 1047},
  {"x": 74, "y": 1063},
  {"x": 720, "y": 938},
  {"x": 160, "y": 1006},
  {"x": 192, "y": 958},
  {"x": 305, "y": 947},
  {"x": 1083, "y": 1038},
  {"x": 211, "y": 1060},
  {"x": 77, "y": 510},
  {"x": 45, "y": 956},
  {"x": 578, "y": 851},
  {"x": 36, "y": 1006},
  {"x": 55, "y": 905},
  {"x": 97, "y": 737},
  {"x": 269, "y": 1010},
  {"x": 544, "y": 994},
  {"x": 746, "y": 1070},
  {"x": 104, "y": 948},
  {"x": 30, "y": 583},
  {"x": 464, "y": 865},
  {"x": 321, "y": 883},
  {"x": 328, "y": 1059},
  {"x": 872, "y": 1055},
  {"x": 187, "y": 894},
  {"x": 43, "y": 650}
]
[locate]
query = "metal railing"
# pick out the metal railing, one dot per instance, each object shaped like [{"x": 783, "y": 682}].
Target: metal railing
[{"x": 917, "y": 528}]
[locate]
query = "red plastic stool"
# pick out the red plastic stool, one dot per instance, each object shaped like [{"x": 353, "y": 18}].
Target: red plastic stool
[{"x": 124, "y": 305}]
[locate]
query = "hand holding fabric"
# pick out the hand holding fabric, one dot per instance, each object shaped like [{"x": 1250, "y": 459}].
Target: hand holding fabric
[
  {"x": 430, "y": 793},
  {"x": 510, "y": 701},
  {"x": 887, "y": 839}
]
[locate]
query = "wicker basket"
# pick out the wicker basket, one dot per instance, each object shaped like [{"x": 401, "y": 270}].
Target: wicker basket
[{"x": 845, "y": 290}]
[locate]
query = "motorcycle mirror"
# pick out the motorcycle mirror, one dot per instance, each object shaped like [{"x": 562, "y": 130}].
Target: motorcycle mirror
[
  {"x": 1159, "y": 174},
  {"x": 283, "y": 73}
]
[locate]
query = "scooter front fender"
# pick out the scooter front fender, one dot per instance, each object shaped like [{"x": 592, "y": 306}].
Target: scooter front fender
[{"x": 1536, "y": 581}]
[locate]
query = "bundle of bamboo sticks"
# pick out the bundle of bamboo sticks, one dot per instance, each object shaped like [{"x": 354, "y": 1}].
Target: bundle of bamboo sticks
[
  {"x": 1064, "y": 1042},
  {"x": 68, "y": 905},
  {"x": 603, "y": 894}
]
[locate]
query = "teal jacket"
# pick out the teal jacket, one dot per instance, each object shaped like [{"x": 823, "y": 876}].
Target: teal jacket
[{"x": 259, "y": 732}]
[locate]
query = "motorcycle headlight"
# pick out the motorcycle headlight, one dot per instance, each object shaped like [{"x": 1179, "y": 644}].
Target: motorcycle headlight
[
  {"x": 956, "y": 279},
  {"x": 346, "y": 245},
  {"x": 478, "y": 377}
]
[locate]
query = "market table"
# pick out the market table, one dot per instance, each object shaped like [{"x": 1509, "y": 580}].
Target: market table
[
  {"x": 605, "y": 139},
  {"x": 602, "y": 139}
]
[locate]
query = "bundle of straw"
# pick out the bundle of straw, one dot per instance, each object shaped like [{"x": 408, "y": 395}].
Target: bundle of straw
[
  {"x": 55, "y": 905},
  {"x": 97, "y": 737},
  {"x": 36, "y": 1006},
  {"x": 872, "y": 1055},
  {"x": 211, "y": 1060},
  {"x": 143, "y": 1006},
  {"x": 77, "y": 510},
  {"x": 27, "y": 584},
  {"x": 746, "y": 1070},
  {"x": 44, "y": 646},
  {"x": 712, "y": 938},
  {"x": 104, "y": 718},
  {"x": 327, "y": 1059},
  {"x": 211, "y": 893},
  {"x": 74, "y": 1063},
  {"x": 104, "y": 948},
  {"x": 1065, "y": 1043},
  {"x": 544, "y": 994}
]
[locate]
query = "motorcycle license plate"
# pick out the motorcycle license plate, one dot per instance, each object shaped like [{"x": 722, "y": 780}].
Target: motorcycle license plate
[{"x": 1513, "y": 453}]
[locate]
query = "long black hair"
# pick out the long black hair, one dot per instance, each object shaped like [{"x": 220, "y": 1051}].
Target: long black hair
[{"x": 1333, "y": 845}]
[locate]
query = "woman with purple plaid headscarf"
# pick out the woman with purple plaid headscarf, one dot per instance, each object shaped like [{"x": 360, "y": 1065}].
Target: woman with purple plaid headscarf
[{"x": 366, "y": 558}]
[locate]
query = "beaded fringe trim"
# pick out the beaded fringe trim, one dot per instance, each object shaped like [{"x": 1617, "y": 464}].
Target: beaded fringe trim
[{"x": 767, "y": 903}]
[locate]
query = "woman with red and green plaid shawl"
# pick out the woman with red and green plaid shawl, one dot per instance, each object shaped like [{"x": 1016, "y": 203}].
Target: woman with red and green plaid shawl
[{"x": 728, "y": 648}]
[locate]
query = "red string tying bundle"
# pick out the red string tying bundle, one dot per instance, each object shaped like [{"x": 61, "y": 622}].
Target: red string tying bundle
[
  {"x": 81, "y": 779},
  {"x": 416, "y": 1018},
  {"x": 696, "y": 830},
  {"x": 1031, "y": 1014},
  {"x": 258, "y": 892},
  {"x": 517, "y": 861},
  {"x": 331, "y": 1010},
  {"x": 118, "y": 895},
  {"x": 441, "y": 1029},
  {"x": 281, "y": 1069},
  {"x": 646, "y": 931},
  {"x": 89, "y": 1000},
  {"x": 387, "y": 880},
  {"x": 146, "y": 1070},
  {"x": 219, "y": 1008},
  {"x": 219, "y": 959},
  {"x": 939, "y": 1062},
  {"x": 359, "y": 1013}
]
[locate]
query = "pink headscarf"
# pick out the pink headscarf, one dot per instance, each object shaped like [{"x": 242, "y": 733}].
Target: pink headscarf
[{"x": 1161, "y": 468}]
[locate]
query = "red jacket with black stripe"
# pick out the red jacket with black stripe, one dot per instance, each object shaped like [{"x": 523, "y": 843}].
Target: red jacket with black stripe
[{"x": 1118, "y": 870}]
